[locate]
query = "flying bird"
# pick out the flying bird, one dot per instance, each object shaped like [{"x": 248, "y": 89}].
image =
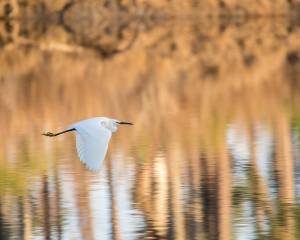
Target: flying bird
[{"x": 92, "y": 138}]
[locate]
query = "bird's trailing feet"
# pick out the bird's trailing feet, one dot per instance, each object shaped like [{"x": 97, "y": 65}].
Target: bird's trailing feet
[{"x": 49, "y": 134}]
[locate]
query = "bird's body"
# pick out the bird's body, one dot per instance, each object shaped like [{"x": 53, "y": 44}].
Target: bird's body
[{"x": 92, "y": 138}]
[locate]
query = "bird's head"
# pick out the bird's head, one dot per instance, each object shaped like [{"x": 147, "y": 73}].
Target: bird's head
[{"x": 113, "y": 124}]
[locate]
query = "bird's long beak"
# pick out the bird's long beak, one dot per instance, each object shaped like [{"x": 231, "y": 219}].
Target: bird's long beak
[{"x": 128, "y": 123}]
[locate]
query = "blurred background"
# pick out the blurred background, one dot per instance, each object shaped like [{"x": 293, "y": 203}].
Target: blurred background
[{"x": 212, "y": 87}]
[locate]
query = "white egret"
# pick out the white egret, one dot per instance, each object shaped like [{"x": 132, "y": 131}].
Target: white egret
[{"x": 92, "y": 138}]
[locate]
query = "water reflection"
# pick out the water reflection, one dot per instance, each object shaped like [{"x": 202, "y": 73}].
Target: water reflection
[{"x": 214, "y": 153}]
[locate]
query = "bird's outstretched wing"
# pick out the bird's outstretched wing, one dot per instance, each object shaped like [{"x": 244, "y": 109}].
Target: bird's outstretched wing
[{"x": 91, "y": 142}]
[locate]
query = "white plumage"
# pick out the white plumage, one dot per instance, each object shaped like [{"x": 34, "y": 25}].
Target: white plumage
[{"x": 92, "y": 138}]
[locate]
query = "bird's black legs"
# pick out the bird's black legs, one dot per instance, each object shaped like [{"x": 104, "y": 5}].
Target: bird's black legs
[{"x": 50, "y": 134}]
